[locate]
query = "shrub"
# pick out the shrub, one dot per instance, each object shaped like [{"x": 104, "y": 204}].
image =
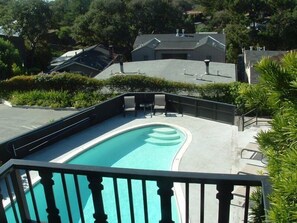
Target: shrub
[
  {"x": 86, "y": 91},
  {"x": 9, "y": 55},
  {"x": 53, "y": 99}
]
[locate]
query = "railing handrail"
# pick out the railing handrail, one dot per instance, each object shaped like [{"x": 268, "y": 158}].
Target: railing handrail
[
  {"x": 44, "y": 135},
  {"x": 249, "y": 112},
  {"x": 165, "y": 180},
  {"x": 178, "y": 176},
  {"x": 244, "y": 125}
]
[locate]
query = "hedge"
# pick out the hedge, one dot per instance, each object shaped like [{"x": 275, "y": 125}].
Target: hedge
[{"x": 91, "y": 88}]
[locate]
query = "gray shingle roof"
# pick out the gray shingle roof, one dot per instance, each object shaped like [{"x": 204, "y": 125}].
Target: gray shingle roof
[
  {"x": 189, "y": 40},
  {"x": 95, "y": 57},
  {"x": 254, "y": 56},
  {"x": 188, "y": 71}
]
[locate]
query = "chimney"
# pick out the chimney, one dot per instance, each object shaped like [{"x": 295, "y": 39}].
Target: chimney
[
  {"x": 251, "y": 48},
  {"x": 111, "y": 51},
  {"x": 177, "y": 32},
  {"x": 121, "y": 67},
  {"x": 207, "y": 66},
  {"x": 183, "y": 32}
]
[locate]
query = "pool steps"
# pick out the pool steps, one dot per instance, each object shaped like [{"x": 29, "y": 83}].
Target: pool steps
[{"x": 163, "y": 137}]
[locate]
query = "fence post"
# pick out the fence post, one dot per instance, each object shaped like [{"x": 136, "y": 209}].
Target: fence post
[
  {"x": 165, "y": 192},
  {"x": 256, "y": 116},
  {"x": 47, "y": 182},
  {"x": 242, "y": 122},
  {"x": 224, "y": 196},
  {"x": 2, "y": 211},
  {"x": 96, "y": 187},
  {"x": 17, "y": 183}
]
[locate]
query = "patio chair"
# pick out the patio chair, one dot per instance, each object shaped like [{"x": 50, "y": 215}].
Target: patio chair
[
  {"x": 129, "y": 105},
  {"x": 160, "y": 103}
]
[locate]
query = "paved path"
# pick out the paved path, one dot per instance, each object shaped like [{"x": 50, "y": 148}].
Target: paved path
[{"x": 16, "y": 121}]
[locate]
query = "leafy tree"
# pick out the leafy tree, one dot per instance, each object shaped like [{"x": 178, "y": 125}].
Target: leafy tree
[
  {"x": 105, "y": 22},
  {"x": 155, "y": 16},
  {"x": 280, "y": 143},
  {"x": 281, "y": 5},
  {"x": 281, "y": 30},
  {"x": 31, "y": 19},
  {"x": 237, "y": 38},
  {"x": 64, "y": 12},
  {"x": 9, "y": 59}
]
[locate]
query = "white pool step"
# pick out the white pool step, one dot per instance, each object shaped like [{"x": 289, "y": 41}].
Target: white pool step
[
  {"x": 165, "y": 130},
  {"x": 162, "y": 142},
  {"x": 164, "y": 136},
  {"x": 157, "y": 135}
]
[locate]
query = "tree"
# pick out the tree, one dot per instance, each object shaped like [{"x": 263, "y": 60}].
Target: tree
[
  {"x": 281, "y": 30},
  {"x": 280, "y": 143},
  {"x": 64, "y": 12},
  {"x": 155, "y": 16},
  {"x": 9, "y": 59},
  {"x": 237, "y": 38},
  {"x": 31, "y": 19},
  {"x": 105, "y": 23}
]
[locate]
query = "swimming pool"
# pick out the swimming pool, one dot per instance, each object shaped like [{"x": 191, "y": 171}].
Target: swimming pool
[{"x": 148, "y": 147}]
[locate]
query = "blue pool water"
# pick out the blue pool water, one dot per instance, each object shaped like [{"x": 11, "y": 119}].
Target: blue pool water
[{"x": 149, "y": 147}]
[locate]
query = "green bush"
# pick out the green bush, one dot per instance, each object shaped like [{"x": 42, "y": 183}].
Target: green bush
[
  {"x": 58, "y": 81},
  {"x": 19, "y": 83},
  {"x": 87, "y": 99},
  {"x": 132, "y": 83},
  {"x": 279, "y": 144},
  {"x": 86, "y": 91},
  {"x": 53, "y": 99},
  {"x": 257, "y": 210}
]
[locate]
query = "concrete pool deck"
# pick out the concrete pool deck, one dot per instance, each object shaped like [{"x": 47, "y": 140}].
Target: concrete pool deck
[{"x": 214, "y": 148}]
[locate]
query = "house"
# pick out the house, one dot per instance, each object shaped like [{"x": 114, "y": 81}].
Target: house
[
  {"x": 16, "y": 40},
  {"x": 89, "y": 61},
  {"x": 198, "y": 46},
  {"x": 187, "y": 71},
  {"x": 66, "y": 56},
  {"x": 251, "y": 58}
]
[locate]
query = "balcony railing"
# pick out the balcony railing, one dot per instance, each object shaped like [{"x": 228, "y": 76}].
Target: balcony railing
[
  {"x": 76, "y": 182},
  {"x": 40, "y": 138}
]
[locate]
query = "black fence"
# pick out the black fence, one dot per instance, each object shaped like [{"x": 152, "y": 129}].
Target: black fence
[
  {"x": 62, "y": 183},
  {"x": 40, "y": 138}
]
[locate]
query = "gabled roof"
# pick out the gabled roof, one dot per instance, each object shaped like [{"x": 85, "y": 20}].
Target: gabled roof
[
  {"x": 183, "y": 41},
  {"x": 66, "y": 56},
  {"x": 152, "y": 43},
  {"x": 209, "y": 40},
  {"x": 94, "y": 57}
]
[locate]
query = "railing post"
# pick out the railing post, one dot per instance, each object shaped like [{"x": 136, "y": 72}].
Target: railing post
[
  {"x": 224, "y": 196},
  {"x": 52, "y": 210},
  {"x": 2, "y": 211},
  {"x": 256, "y": 116},
  {"x": 242, "y": 122},
  {"x": 96, "y": 187},
  {"x": 165, "y": 192},
  {"x": 17, "y": 183}
]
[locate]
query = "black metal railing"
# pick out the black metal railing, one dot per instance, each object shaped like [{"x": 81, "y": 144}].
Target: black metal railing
[
  {"x": 83, "y": 182},
  {"x": 249, "y": 118},
  {"x": 40, "y": 138}
]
